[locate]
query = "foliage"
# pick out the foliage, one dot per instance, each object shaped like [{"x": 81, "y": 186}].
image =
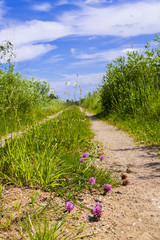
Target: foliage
[
  {"x": 131, "y": 85},
  {"x": 23, "y": 101},
  {"x": 130, "y": 94},
  {"x": 92, "y": 101},
  {"x": 47, "y": 156}
]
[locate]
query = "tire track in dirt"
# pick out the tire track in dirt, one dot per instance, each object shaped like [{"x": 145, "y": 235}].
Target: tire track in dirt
[{"x": 19, "y": 133}]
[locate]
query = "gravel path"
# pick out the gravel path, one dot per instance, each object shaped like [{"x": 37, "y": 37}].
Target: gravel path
[{"x": 133, "y": 211}]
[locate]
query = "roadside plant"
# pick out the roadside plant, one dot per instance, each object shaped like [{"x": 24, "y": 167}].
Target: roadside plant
[
  {"x": 85, "y": 155},
  {"x": 69, "y": 206},
  {"x": 107, "y": 188},
  {"x": 92, "y": 180},
  {"x": 97, "y": 211},
  {"x": 81, "y": 159}
]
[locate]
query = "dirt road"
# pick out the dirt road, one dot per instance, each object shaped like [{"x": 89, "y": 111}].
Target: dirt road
[{"x": 133, "y": 211}]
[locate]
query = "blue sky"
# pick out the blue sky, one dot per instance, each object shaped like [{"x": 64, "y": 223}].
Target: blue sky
[{"x": 55, "y": 40}]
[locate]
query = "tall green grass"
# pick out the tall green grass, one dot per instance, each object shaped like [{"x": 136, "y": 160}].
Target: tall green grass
[
  {"x": 92, "y": 102},
  {"x": 47, "y": 156},
  {"x": 130, "y": 94},
  {"x": 23, "y": 101}
]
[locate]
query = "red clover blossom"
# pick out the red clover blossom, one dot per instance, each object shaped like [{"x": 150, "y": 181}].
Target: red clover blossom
[
  {"x": 92, "y": 180},
  {"x": 101, "y": 157},
  {"x": 69, "y": 206},
  {"x": 99, "y": 204},
  {"x": 81, "y": 159},
  {"x": 85, "y": 155},
  {"x": 97, "y": 210},
  {"x": 107, "y": 188}
]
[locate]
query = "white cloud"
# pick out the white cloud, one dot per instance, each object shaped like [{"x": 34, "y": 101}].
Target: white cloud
[
  {"x": 62, "y": 2},
  {"x": 122, "y": 20},
  {"x": 97, "y": 1},
  {"x": 127, "y": 19},
  {"x": 83, "y": 79},
  {"x": 55, "y": 59},
  {"x": 73, "y": 51},
  {"x": 108, "y": 55},
  {"x": 29, "y": 52},
  {"x": 2, "y": 9},
  {"x": 43, "y": 7},
  {"x": 35, "y": 31}
]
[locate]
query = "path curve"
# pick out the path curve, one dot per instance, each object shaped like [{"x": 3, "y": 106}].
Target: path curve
[{"x": 129, "y": 212}]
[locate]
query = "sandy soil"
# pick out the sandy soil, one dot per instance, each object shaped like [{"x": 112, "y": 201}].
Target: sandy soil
[{"x": 133, "y": 211}]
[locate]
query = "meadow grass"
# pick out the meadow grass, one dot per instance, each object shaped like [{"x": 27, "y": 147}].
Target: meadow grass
[
  {"x": 47, "y": 157},
  {"x": 144, "y": 130},
  {"x": 23, "y": 101},
  {"x": 48, "y": 153},
  {"x": 16, "y": 122},
  {"x": 92, "y": 102},
  {"x": 129, "y": 95}
]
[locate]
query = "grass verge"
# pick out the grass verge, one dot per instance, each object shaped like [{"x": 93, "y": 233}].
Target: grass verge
[
  {"x": 16, "y": 122},
  {"x": 46, "y": 158}
]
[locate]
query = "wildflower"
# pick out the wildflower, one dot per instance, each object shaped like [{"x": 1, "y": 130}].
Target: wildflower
[
  {"x": 126, "y": 182},
  {"x": 92, "y": 180},
  {"x": 101, "y": 157},
  {"x": 99, "y": 204},
  {"x": 69, "y": 206},
  {"x": 98, "y": 145},
  {"x": 85, "y": 155},
  {"x": 97, "y": 211},
  {"x": 81, "y": 159},
  {"x": 107, "y": 188}
]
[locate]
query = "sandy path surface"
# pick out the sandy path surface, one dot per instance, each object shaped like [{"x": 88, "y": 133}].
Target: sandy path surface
[{"x": 133, "y": 211}]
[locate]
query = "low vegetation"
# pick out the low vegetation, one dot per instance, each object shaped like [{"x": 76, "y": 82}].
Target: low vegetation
[
  {"x": 46, "y": 155},
  {"x": 24, "y": 101},
  {"x": 50, "y": 157},
  {"x": 130, "y": 94}
]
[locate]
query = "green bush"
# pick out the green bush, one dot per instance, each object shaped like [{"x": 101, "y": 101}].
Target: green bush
[{"x": 131, "y": 85}]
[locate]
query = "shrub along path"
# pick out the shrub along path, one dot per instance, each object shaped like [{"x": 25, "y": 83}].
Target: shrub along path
[{"x": 132, "y": 211}]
